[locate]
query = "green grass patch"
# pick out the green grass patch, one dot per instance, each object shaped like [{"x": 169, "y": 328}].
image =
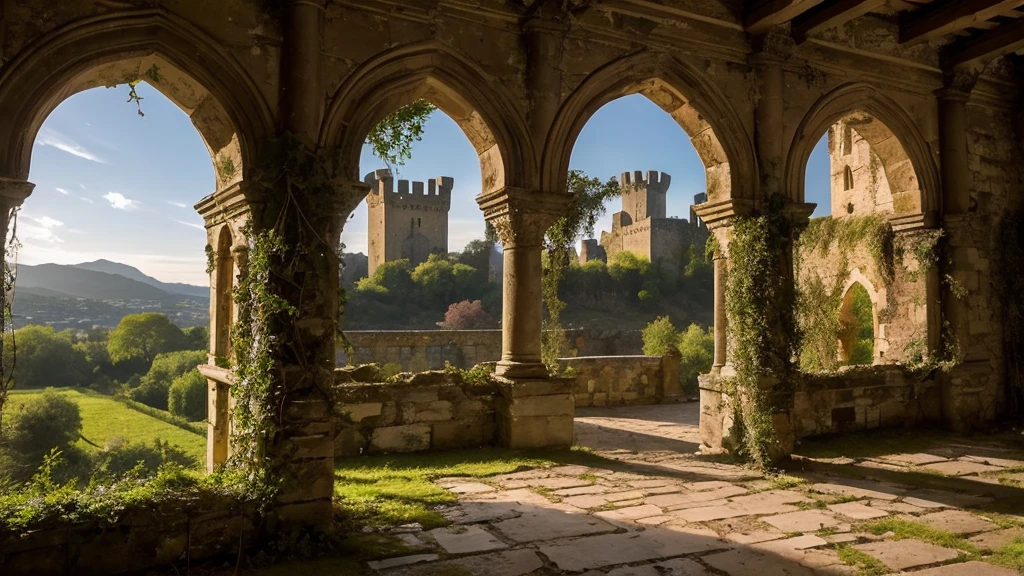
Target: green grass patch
[
  {"x": 1010, "y": 556},
  {"x": 393, "y": 490},
  {"x": 866, "y": 565},
  {"x": 784, "y": 482},
  {"x": 907, "y": 529},
  {"x": 104, "y": 418}
]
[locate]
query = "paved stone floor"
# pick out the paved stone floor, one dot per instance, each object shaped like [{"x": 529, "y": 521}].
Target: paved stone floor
[{"x": 664, "y": 511}]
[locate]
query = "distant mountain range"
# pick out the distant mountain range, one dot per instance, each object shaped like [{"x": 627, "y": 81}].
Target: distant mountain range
[{"x": 101, "y": 280}]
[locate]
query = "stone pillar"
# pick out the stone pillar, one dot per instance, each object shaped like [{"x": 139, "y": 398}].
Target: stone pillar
[
  {"x": 721, "y": 318},
  {"x": 971, "y": 394},
  {"x": 534, "y": 409}
]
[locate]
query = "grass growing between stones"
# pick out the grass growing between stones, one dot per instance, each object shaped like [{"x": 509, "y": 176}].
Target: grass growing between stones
[
  {"x": 865, "y": 564},
  {"x": 1010, "y": 556},
  {"x": 393, "y": 490},
  {"x": 906, "y": 529}
]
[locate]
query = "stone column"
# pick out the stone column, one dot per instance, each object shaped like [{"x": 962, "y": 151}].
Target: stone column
[
  {"x": 721, "y": 318},
  {"x": 534, "y": 409},
  {"x": 971, "y": 389}
]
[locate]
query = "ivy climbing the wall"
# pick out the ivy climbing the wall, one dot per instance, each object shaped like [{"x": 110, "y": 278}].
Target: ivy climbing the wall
[{"x": 762, "y": 330}]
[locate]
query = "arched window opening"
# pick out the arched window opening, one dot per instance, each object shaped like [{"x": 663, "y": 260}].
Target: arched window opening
[
  {"x": 857, "y": 330},
  {"x": 847, "y": 179},
  {"x": 225, "y": 302},
  {"x": 847, "y": 139}
]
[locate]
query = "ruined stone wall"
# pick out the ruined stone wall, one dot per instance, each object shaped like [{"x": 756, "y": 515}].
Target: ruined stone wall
[
  {"x": 419, "y": 350},
  {"x": 143, "y": 538},
  {"x": 859, "y": 184},
  {"x": 864, "y": 398},
  {"x": 624, "y": 380},
  {"x": 425, "y": 411}
]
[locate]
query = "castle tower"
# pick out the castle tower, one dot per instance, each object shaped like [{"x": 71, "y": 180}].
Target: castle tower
[
  {"x": 645, "y": 197},
  {"x": 410, "y": 222},
  {"x": 859, "y": 183}
]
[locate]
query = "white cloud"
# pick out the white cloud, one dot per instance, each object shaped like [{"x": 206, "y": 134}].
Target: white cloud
[
  {"x": 89, "y": 200},
  {"x": 48, "y": 137},
  {"x": 62, "y": 191},
  {"x": 191, "y": 225},
  {"x": 83, "y": 186},
  {"x": 177, "y": 204},
  {"x": 120, "y": 201},
  {"x": 32, "y": 229}
]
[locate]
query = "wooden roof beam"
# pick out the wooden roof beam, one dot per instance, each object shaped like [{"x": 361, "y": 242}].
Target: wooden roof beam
[
  {"x": 829, "y": 14},
  {"x": 1003, "y": 39},
  {"x": 768, "y": 13},
  {"x": 948, "y": 16}
]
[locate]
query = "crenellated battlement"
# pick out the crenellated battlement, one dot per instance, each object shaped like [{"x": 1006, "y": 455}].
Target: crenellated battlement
[
  {"x": 654, "y": 181},
  {"x": 435, "y": 193}
]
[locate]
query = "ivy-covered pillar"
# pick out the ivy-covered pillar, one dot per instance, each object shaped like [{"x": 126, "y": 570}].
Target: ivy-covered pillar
[
  {"x": 534, "y": 408},
  {"x": 972, "y": 391}
]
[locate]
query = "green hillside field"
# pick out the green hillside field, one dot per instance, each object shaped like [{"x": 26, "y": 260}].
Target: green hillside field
[{"x": 104, "y": 418}]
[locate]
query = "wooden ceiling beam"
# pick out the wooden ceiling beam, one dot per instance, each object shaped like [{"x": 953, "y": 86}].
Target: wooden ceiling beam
[
  {"x": 768, "y": 13},
  {"x": 948, "y": 16},
  {"x": 829, "y": 14},
  {"x": 1003, "y": 39}
]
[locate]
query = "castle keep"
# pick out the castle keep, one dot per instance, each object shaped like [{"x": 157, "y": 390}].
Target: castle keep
[
  {"x": 642, "y": 228},
  {"x": 408, "y": 223}
]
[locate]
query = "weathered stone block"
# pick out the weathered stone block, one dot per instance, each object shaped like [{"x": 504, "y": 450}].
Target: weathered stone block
[
  {"x": 461, "y": 434},
  {"x": 550, "y": 405},
  {"x": 536, "y": 431},
  {"x": 408, "y": 438},
  {"x": 359, "y": 411},
  {"x": 432, "y": 412}
]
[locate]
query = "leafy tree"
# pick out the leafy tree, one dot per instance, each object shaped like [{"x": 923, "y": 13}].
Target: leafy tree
[
  {"x": 660, "y": 336},
  {"x": 154, "y": 387},
  {"x": 697, "y": 351},
  {"x": 390, "y": 278},
  {"x": 144, "y": 336},
  {"x": 440, "y": 281},
  {"x": 50, "y": 420},
  {"x": 46, "y": 357},
  {"x": 187, "y": 396},
  {"x": 197, "y": 338},
  {"x": 392, "y": 138},
  {"x": 466, "y": 315}
]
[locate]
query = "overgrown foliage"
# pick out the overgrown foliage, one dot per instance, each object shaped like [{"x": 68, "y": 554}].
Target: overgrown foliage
[
  {"x": 762, "y": 328},
  {"x": 392, "y": 139},
  {"x": 466, "y": 315},
  {"x": 696, "y": 347},
  {"x": 8, "y": 276},
  {"x": 587, "y": 205}
]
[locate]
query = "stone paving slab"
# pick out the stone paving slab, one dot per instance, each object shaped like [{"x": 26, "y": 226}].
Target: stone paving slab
[
  {"x": 402, "y": 561},
  {"x": 858, "y": 491},
  {"x": 961, "y": 468},
  {"x": 678, "y": 567},
  {"x": 857, "y": 511},
  {"x": 903, "y": 554},
  {"x": 612, "y": 549},
  {"x": 915, "y": 459},
  {"x": 996, "y": 539},
  {"x": 460, "y": 540},
  {"x": 545, "y": 524},
  {"x": 804, "y": 521},
  {"x": 749, "y": 561},
  {"x": 927, "y": 498},
  {"x": 968, "y": 569},
  {"x": 957, "y": 522},
  {"x": 510, "y": 563}
]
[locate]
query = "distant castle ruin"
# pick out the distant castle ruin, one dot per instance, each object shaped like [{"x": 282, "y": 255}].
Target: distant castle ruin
[
  {"x": 642, "y": 228},
  {"x": 408, "y": 223}
]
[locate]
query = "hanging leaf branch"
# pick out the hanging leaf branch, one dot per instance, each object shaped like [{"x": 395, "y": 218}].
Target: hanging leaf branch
[
  {"x": 392, "y": 139},
  {"x": 8, "y": 347}
]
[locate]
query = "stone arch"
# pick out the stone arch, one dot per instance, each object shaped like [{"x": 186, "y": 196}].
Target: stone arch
[
  {"x": 214, "y": 90},
  {"x": 893, "y": 136},
  {"x": 688, "y": 95},
  {"x": 432, "y": 71},
  {"x": 846, "y": 337}
]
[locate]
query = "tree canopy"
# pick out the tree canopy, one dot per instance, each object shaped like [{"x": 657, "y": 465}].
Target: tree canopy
[{"x": 144, "y": 336}]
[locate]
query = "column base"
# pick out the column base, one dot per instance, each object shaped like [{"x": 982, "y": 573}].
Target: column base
[
  {"x": 521, "y": 370},
  {"x": 721, "y": 427},
  {"x": 971, "y": 397},
  {"x": 535, "y": 412}
]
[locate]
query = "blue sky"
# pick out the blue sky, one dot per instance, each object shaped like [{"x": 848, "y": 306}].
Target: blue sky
[{"x": 111, "y": 184}]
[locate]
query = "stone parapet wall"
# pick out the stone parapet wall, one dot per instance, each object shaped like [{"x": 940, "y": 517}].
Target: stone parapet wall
[
  {"x": 427, "y": 411},
  {"x": 624, "y": 380},
  {"x": 143, "y": 538},
  {"x": 419, "y": 350},
  {"x": 864, "y": 398}
]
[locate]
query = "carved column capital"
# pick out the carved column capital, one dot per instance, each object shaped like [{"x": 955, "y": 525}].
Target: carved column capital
[
  {"x": 13, "y": 192},
  {"x": 772, "y": 47},
  {"x": 520, "y": 216},
  {"x": 958, "y": 82},
  {"x": 721, "y": 214}
]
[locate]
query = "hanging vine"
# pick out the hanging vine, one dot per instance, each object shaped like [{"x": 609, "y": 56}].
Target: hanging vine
[{"x": 763, "y": 333}]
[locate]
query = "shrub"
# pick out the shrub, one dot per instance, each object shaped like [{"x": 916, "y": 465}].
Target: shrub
[
  {"x": 48, "y": 421},
  {"x": 187, "y": 396},
  {"x": 120, "y": 457},
  {"x": 466, "y": 315},
  {"x": 697, "y": 349},
  {"x": 660, "y": 336},
  {"x": 155, "y": 386},
  {"x": 46, "y": 357}
]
